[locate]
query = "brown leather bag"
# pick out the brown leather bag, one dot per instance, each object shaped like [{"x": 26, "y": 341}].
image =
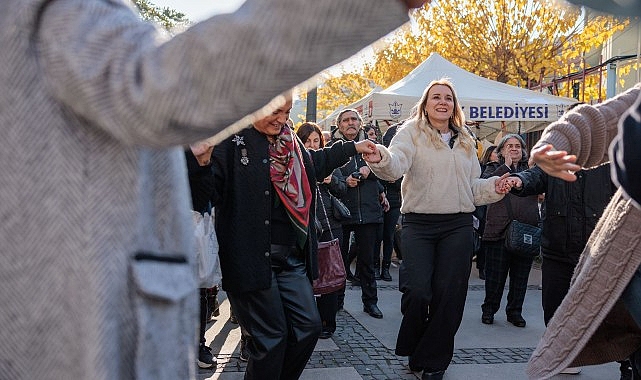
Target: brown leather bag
[{"x": 331, "y": 271}]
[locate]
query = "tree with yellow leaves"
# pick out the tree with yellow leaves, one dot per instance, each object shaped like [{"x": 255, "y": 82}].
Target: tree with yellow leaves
[{"x": 519, "y": 42}]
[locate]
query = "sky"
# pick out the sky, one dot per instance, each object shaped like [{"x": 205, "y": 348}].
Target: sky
[{"x": 198, "y": 10}]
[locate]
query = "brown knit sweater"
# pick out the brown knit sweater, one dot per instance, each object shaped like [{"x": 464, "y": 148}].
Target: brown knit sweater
[
  {"x": 591, "y": 326},
  {"x": 587, "y": 130}
]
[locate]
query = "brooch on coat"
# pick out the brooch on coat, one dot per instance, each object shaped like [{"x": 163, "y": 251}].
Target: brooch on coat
[
  {"x": 239, "y": 140},
  {"x": 244, "y": 159}
]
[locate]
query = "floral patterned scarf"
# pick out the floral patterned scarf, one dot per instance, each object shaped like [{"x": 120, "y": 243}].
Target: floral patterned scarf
[{"x": 289, "y": 177}]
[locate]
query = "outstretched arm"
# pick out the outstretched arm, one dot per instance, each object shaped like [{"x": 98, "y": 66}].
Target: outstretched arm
[{"x": 108, "y": 67}]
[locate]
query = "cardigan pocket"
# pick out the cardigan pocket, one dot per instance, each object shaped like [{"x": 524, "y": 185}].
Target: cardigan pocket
[{"x": 165, "y": 306}]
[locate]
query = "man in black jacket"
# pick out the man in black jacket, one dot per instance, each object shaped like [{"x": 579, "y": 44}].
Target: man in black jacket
[{"x": 363, "y": 198}]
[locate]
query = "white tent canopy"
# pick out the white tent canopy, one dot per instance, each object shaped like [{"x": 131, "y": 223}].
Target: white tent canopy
[{"x": 483, "y": 100}]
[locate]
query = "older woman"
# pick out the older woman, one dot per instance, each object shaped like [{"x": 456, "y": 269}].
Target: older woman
[
  {"x": 265, "y": 209},
  {"x": 499, "y": 262},
  {"x": 440, "y": 189}
]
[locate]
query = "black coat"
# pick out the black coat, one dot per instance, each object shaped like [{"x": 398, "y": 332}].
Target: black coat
[
  {"x": 242, "y": 198},
  {"x": 201, "y": 183},
  {"x": 570, "y": 211}
]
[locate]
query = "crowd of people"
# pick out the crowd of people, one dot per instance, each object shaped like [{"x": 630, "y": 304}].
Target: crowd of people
[{"x": 99, "y": 172}]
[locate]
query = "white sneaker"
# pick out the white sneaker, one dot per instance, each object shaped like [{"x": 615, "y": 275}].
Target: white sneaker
[{"x": 571, "y": 371}]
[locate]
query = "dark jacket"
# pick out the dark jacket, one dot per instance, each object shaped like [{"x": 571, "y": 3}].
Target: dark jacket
[
  {"x": 363, "y": 200},
  {"x": 243, "y": 196},
  {"x": 201, "y": 183},
  {"x": 524, "y": 209},
  {"x": 336, "y": 188},
  {"x": 570, "y": 211}
]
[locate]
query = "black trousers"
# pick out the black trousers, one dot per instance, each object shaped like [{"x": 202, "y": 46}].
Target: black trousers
[
  {"x": 555, "y": 283},
  {"x": 498, "y": 264},
  {"x": 437, "y": 259},
  {"x": 282, "y": 321},
  {"x": 365, "y": 235},
  {"x": 328, "y": 303}
]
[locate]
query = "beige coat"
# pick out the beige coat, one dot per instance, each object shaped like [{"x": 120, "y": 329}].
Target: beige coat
[
  {"x": 436, "y": 179},
  {"x": 92, "y": 100}
]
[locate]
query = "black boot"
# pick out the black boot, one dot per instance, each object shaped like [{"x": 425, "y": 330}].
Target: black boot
[{"x": 385, "y": 275}]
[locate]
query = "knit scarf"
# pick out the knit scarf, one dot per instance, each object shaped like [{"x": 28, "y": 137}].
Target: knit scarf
[{"x": 289, "y": 178}]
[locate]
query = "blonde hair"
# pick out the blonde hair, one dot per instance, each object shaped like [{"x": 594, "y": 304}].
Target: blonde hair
[{"x": 457, "y": 120}]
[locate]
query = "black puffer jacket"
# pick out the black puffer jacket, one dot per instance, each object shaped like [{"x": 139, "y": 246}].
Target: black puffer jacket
[
  {"x": 363, "y": 200},
  {"x": 524, "y": 209},
  {"x": 570, "y": 211}
]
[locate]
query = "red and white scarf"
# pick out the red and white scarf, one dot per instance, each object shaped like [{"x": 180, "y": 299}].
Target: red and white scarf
[{"x": 289, "y": 177}]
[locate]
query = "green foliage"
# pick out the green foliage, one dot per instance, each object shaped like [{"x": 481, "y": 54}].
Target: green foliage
[{"x": 166, "y": 17}]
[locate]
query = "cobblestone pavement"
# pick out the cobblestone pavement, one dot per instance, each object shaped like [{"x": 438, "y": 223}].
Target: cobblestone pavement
[{"x": 360, "y": 349}]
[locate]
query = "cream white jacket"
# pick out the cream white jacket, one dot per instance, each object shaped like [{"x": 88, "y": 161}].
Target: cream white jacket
[{"x": 437, "y": 179}]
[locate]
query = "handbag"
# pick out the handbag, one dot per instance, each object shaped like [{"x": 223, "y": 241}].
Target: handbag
[
  {"x": 331, "y": 270},
  {"x": 206, "y": 244},
  {"x": 522, "y": 239},
  {"x": 341, "y": 212}
]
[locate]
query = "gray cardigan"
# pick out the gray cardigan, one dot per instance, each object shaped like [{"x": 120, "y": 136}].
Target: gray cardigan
[{"x": 92, "y": 100}]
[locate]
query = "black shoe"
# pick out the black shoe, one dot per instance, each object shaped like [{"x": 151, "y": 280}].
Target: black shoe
[
  {"x": 325, "y": 334},
  {"x": 385, "y": 275},
  {"x": 205, "y": 357},
  {"x": 438, "y": 375},
  {"x": 482, "y": 274},
  {"x": 377, "y": 274},
  {"x": 355, "y": 281},
  {"x": 244, "y": 351},
  {"x": 487, "y": 318},
  {"x": 373, "y": 311},
  {"x": 516, "y": 320}
]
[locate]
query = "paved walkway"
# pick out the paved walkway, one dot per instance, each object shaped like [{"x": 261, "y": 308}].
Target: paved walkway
[{"x": 363, "y": 347}]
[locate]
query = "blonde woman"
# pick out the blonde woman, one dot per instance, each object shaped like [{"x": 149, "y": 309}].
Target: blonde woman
[{"x": 440, "y": 189}]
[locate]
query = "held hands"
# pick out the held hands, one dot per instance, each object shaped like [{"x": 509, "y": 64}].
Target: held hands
[
  {"x": 502, "y": 184},
  {"x": 366, "y": 147},
  {"x": 508, "y": 183},
  {"x": 556, "y": 163}
]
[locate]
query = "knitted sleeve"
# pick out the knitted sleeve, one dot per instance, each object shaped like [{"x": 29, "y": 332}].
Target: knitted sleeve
[
  {"x": 587, "y": 130},
  {"x": 108, "y": 67}
]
